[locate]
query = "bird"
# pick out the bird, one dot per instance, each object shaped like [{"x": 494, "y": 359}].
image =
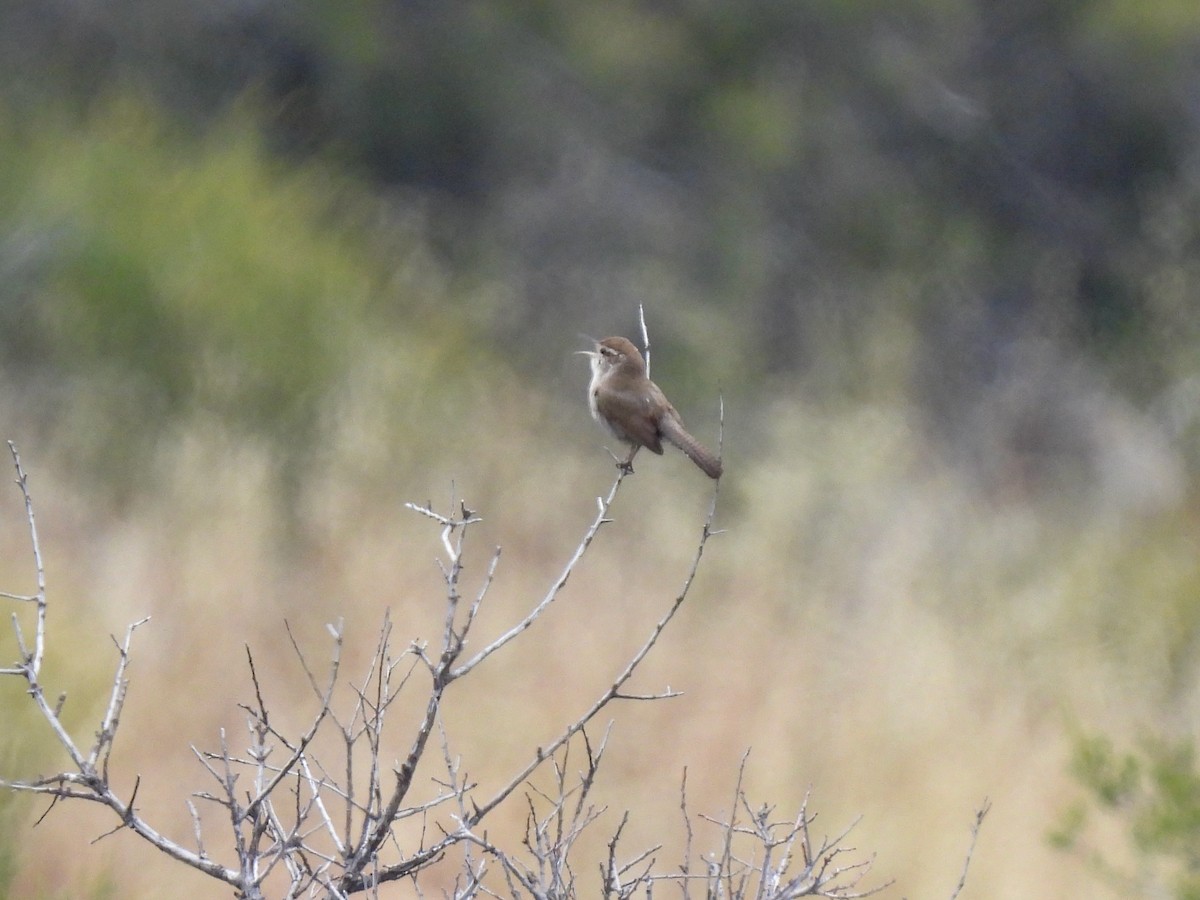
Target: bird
[{"x": 634, "y": 409}]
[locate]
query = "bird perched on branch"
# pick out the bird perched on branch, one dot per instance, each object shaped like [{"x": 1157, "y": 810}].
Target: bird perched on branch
[{"x": 634, "y": 409}]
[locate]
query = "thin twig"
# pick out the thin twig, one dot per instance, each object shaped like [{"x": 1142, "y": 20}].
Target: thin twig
[
  {"x": 603, "y": 504},
  {"x": 645, "y": 337},
  {"x": 39, "y": 650},
  {"x": 980, "y": 814}
]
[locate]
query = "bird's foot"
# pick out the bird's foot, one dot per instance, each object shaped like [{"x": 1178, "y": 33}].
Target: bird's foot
[{"x": 625, "y": 465}]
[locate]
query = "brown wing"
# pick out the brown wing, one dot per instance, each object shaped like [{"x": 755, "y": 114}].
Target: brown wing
[{"x": 629, "y": 415}]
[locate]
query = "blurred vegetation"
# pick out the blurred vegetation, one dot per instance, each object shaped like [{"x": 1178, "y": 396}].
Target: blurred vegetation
[
  {"x": 1154, "y": 794},
  {"x": 872, "y": 197},
  {"x": 985, "y": 171},
  {"x": 942, "y": 260},
  {"x": 158, "y": 276}
]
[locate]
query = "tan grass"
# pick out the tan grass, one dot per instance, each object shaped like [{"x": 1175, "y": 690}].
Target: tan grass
[{"x": 872, "y": 626}]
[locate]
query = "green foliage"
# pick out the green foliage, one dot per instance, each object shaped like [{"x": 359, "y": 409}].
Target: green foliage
[
  {"x": 786, "y": 166},
  {"x": 1135, "y": 596},
  {"x": 1161, "y": 28},
  {"x": 177, "y": 261},
  {"x": 164, "y": 275},
  {"x": 1154, "y": 797},
  {"x": 1111, "y": 777}
]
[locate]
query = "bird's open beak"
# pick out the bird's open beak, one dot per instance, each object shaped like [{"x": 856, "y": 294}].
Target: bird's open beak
[{"x": 591, "y": 340}]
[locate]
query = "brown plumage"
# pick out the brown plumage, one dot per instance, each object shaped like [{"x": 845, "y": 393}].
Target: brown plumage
[{"x": 634, "y": 409}]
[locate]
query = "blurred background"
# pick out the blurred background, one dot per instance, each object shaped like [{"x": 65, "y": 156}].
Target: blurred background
[{"x": 270, "y": 269}]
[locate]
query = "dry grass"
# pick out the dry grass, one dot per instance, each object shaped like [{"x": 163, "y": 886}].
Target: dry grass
[{"x": 873, "y": 626}]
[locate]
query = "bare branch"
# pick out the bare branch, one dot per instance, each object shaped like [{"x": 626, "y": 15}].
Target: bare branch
[
  {"x": 603, "y": 504},
  {"x": 613, "y": 691},
  {"x": 306, "y": 738},
  {"x": 328, "y": 827},
  {"x": 116, "y": 701},
  {"x": 645, "y": 337},
  {"x": 34, "y": 662},
  {"x": 980, "y": 814}
]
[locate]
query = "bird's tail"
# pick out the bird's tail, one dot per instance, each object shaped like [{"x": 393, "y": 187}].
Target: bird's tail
[{"x": 674, "y": 432}]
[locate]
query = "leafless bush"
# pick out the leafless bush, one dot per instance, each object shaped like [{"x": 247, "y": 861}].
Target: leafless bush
[{"x": 291, "y": 821}]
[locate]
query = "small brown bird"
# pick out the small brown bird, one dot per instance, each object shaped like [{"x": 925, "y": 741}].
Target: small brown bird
[{"x": 634, "y": 409}]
